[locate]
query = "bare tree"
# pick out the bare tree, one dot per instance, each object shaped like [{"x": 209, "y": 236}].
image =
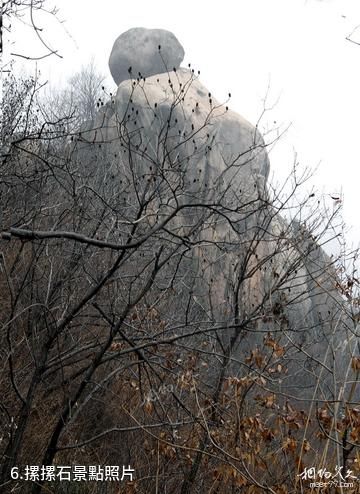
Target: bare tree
[
  {"x": 87, "y": 90},
  {"x": 25, "y": 11},
  {"x": 155, "y": 297},
  {"x": 76, "y": 105}
]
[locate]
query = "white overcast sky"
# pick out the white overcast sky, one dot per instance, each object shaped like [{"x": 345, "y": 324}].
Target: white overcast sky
[{"x": 296, "y": 47}]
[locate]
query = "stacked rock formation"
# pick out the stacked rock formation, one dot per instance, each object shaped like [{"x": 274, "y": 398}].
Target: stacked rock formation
[{"x": 169, "y": 124}]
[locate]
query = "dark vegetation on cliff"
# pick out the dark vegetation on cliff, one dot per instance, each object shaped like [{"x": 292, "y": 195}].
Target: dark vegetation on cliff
[{"x": 161, "y": 305}]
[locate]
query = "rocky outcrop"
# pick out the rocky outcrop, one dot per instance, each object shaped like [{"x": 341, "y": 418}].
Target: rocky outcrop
[
  {"x": 168, "y": 138},
  {"x": 220, "y": 144},
  {"x": 141, "y": 52}
]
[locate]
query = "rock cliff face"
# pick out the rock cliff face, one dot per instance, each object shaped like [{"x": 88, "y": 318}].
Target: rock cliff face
[{"x": 165, "y": 137}]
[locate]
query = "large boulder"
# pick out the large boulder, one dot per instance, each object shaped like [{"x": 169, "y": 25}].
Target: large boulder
[{"x": 145, "y": 51}]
